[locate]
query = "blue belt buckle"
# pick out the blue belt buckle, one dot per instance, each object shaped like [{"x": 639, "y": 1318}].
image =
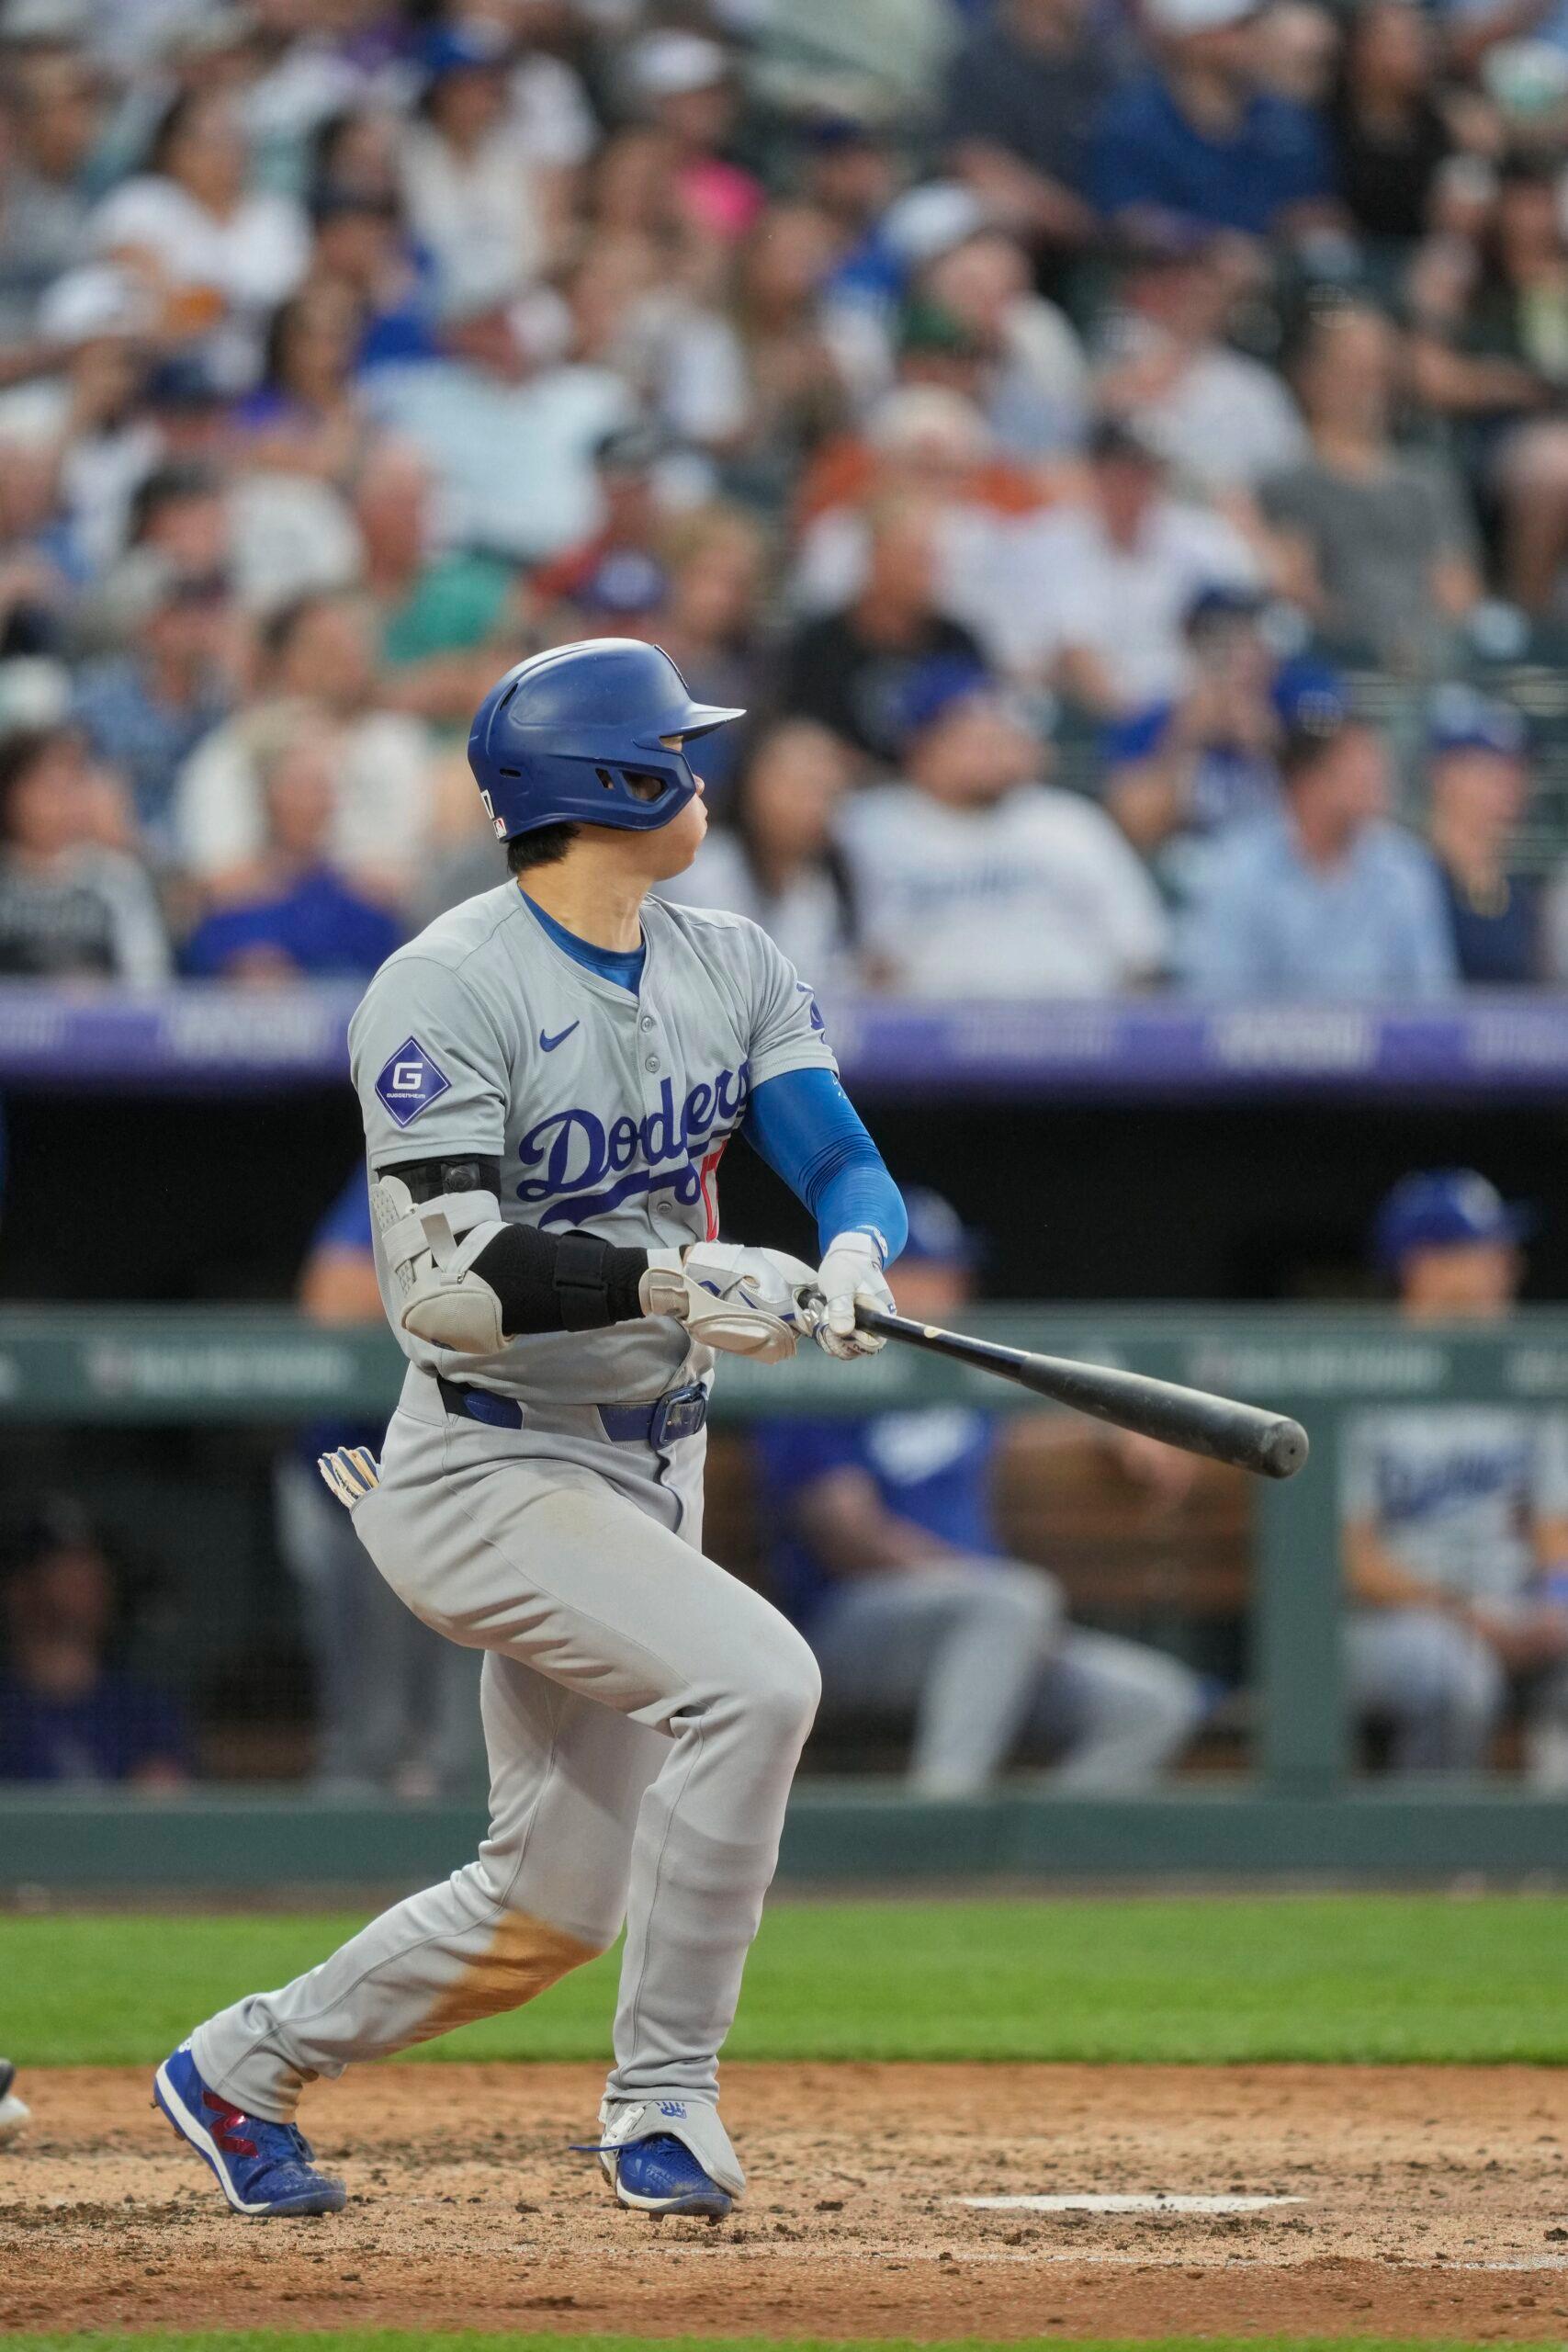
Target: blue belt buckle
[{"x": 679, "y": 1414}]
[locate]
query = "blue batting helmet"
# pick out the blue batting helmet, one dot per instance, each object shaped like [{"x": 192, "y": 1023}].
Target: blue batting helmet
[
  {"x": 1443, "y": 1208},
  {"x": 575, "y": 737}
]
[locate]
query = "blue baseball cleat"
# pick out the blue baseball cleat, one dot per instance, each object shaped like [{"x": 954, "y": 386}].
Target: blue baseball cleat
[
  {"x": 662, "y": 2176},
  {"x": 264, "y": 2169},
  {"x": 654, "y": 2172}
]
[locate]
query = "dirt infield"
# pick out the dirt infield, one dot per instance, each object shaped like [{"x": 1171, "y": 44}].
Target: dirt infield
[{"x": 1433, "y": 2201}]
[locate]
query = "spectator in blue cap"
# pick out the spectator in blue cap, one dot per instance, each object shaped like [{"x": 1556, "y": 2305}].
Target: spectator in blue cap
[
  {"x": 974, "y": 877},
  {"x": 1449, "y": 1243},
  {"x": 1326, "y": 898},
  {"x": 1184, "y": 767},
  {"x": 1478, "y": 786},
  {"x": 475, "y": 199},
  {"x": 890, "y": 1559},
  {"x": 1455, "y": 1516}
]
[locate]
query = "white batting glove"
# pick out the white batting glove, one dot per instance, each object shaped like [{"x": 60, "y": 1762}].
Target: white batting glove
[
  {"x": 350, "y": 1472},
  {"x": 849, "y": 1275},
  {"x": 741, "y": 1301}
]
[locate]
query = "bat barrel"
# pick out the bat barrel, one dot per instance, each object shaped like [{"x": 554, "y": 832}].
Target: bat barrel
[{"x": 1269, "y": 1445}]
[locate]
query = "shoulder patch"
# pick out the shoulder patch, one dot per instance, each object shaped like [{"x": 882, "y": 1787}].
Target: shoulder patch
[{"x": 411, "y": 1083}]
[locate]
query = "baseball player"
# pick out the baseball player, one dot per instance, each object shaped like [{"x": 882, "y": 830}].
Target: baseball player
[
  {"x": 14, "y": 2112},
  {"x": 549, "y": 1075},
  {"x": 1456, "y": 1515}
]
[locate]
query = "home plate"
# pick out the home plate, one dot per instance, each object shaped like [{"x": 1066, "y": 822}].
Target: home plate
[{"x": 1079, "y": 2202}]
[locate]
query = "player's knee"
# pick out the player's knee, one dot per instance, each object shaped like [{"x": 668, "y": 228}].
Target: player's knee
[
  {"x": 1147, "y": 1695},
  {"x": 1024, "y": 1603},
  {"x": 1174, "y": 1698},
  {"x": 781, "y": 1688},
  {"x": 1443, "y": 1669}
]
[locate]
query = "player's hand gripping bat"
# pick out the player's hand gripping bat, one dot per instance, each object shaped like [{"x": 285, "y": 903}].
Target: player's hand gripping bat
[{"x": 1270, "y": 1444}]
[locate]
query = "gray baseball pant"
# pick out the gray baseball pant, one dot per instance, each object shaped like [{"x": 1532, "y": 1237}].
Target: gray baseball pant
[
  {"x": 1443, "y": 1691},
  {"x": 981, "y": 1652},
  {"x": 395, "y": 1704},
  {"x": 644, "y": 1713}
]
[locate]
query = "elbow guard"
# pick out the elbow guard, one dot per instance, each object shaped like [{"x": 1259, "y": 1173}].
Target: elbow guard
[
  {"x": 430, "y": 1247},
  {"x": 466, "y": 1278}
]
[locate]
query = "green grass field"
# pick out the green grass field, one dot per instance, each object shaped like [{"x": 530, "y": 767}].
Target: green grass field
[{"x": 1215, "y": 1980}]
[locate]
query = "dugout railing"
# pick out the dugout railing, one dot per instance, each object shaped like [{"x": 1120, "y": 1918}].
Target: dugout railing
[{"x": 1301, "y": 1812}]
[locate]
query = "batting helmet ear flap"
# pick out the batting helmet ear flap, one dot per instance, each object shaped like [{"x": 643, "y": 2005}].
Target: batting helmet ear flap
[{"x": 573, "y": 736}]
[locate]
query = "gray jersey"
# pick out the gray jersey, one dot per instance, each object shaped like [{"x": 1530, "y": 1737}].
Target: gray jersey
[
  {"x": 1457, "y": 1492},
  {"x": 608, "y": 1112}
]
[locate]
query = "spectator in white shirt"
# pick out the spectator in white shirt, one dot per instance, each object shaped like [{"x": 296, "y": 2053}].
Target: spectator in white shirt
[
  {"x": 320, "y": 652},
  {"x": 224, "y": 254},
  {"x": 471, "y": 192},
  {"x": 778, "y": 861},
  {"x": 1095, "y": 596},
  {"x": 976, "y": 879},
  {"x": 1221, "y": 420},
  {"x": 511, "y": 442},
  {"x": 1034, "y": 384}
]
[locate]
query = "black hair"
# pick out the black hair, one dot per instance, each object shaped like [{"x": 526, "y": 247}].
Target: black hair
[
  {"x": 831, "y": 860},
  {"x": 1304, "y": 747},
  {"x": 322, "y": 147},
  {"x": 545, "y": 846},
  {"x": 279, "y": 327},
  {"x": 280, "y": 628},
  {"x": 171, "y": 125},
  {"x": 166, "y": 486}
]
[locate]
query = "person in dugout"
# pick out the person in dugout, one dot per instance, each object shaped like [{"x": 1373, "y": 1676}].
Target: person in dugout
[
  {"x": 1455, "y": 1516},
  {"x": 889, "y": 1560}
]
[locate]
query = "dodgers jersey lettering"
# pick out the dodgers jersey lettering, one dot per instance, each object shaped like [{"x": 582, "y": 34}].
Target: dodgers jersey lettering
[
  {"x": 1457, "y": 1491},
  {"x": 608, "y": 1112}
]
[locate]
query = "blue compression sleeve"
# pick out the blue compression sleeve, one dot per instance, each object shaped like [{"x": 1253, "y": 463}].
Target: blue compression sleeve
[{"x": 808, "y": 1131}]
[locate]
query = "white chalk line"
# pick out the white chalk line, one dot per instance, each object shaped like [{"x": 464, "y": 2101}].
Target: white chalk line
[{"x": 1153, "y": 2201}]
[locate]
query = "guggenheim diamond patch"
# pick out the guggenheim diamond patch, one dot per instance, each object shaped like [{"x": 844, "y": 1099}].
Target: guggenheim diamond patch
[{"x": 411, "y": 1083}]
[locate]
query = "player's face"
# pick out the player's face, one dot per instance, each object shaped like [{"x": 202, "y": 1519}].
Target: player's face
[
  {"x": 1465, "y": 1278},
  {"x": 672, "y": 847}
]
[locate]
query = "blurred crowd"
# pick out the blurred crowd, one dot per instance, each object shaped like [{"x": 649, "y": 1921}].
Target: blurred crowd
[{"x": 1116, "y": 448}]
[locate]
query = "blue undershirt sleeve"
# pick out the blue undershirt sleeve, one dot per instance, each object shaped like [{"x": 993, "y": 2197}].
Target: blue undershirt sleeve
[{"x": 803, "y": 1124}]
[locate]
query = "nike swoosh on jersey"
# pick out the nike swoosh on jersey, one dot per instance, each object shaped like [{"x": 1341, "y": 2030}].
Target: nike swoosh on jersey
[{"x": 550, "y": 1043}]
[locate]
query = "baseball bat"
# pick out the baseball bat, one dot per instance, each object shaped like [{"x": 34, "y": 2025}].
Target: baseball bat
[{"x": 1270, "y": 1444}]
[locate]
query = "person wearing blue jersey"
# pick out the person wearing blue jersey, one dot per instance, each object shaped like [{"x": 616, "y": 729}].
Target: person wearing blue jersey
[{"x": 890, "y": 1562}]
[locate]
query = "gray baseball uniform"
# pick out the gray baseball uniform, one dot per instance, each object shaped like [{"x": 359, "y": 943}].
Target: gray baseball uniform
[
  {"x": 643, "y": 1711},
  {"x": 1457, "y": 1494}
]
